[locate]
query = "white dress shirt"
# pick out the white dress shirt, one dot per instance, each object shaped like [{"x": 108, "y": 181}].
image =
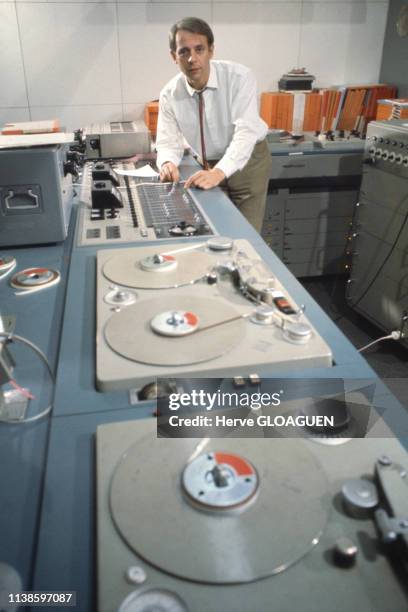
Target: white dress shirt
[{"x": 232, "y": 125}]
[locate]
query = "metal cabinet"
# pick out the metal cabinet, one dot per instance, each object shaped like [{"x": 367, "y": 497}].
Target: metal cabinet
[
  {"x": 309, "y": 209},
  {"x": 378, "y": 286}
]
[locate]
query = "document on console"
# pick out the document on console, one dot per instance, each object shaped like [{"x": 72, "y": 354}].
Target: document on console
[{"x": 143, "y": 172}]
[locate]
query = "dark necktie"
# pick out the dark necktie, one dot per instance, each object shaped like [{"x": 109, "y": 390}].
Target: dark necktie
[{"x": 201, "y": 115}]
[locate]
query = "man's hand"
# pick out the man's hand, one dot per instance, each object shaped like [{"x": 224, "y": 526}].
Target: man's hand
[
  {"x": 205, "y": 179},
  {"x": 169, "y": 173}
]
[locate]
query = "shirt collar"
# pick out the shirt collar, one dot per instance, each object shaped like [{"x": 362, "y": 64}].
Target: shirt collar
[{"x": 212, "y": 82}]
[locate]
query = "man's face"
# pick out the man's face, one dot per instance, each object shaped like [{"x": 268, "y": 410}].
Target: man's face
[{"x": 193, "y": 57}]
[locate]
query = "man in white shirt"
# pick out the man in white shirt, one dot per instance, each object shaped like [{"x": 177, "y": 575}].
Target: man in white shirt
[{"x": 213, "y": 106}]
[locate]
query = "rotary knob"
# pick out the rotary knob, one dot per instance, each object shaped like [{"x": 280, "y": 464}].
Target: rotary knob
[{"x": 345, "y": 552}]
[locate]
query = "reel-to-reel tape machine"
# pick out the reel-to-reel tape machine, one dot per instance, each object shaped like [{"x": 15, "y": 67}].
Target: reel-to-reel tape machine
[
  {"x": 239, "y": 525},
  {"x": 202, "y": 310}
]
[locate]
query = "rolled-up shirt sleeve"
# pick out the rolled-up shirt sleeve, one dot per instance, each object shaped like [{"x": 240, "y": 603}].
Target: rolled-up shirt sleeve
[
  {"x": 169, "y": 141},
  {"x": 246, "y": 121}
]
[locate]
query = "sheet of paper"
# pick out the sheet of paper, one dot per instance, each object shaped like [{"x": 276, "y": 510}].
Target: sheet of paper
[
  {"x": 35, "y": 140},
  {"x": 143, "y": 172}
]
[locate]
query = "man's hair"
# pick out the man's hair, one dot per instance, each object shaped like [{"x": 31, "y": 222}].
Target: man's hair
[{"x": 193, "y": 25}]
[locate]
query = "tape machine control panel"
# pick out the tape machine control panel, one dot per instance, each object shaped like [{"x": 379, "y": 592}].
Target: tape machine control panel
[{"x": 118, "y": 207}]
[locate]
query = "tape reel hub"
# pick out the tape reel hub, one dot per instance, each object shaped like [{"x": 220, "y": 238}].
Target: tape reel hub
[
  {"x": 219, "y": 481},
  {"x": 158, "y": 262},
  {"x": 34, "y": 277},
  {"x": 175, "y": 323},
  {"x": 203, "y": 340}
]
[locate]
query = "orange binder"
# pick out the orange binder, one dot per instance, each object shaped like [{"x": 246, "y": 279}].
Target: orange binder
[{"x": 151, "y": 115}]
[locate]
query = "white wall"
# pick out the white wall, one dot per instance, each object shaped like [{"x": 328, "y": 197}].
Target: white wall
[{"x": 94, "y": 61}]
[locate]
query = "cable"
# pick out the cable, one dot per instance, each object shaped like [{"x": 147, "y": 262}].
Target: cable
[
  {"x": 9, "y": 338},
  {"x": 23, "y": 391},
  {"x": 366, "y": 290},
  {"x": 394, "y": 335}
]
